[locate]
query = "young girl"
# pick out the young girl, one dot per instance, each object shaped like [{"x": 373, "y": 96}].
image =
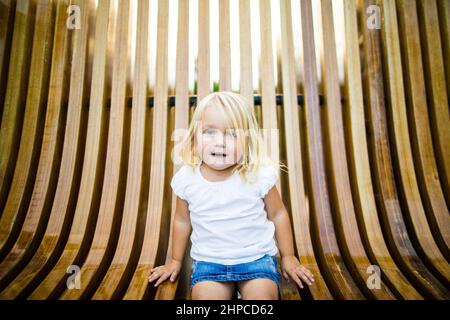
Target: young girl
[{"x": 226, "y": 195}]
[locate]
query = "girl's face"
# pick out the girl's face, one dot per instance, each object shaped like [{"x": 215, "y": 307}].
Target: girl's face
[{"x": 217, "y": 144}]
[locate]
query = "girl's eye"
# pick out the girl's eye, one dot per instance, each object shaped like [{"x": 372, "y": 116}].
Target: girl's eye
[
  {"x": 231, "y": 133},
  {"x": 208, "y": 131}
]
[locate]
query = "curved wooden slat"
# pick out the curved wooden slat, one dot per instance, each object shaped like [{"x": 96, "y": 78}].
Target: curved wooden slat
[
  {"x": 50, "y": 154},
  {"x": 299, "y": 207},
  {"x": 66, "y": 192},
  {"x": 113, "y": 193},
  {"x": 157, "y": 221},
  {"x": 405, "y": 175},
  {"x": 25, "y": 171},
  {"x": 119, "y": 274},
  {"x": 334, "y": 271},
  {"x": 397, "y": 237},
  {"x": 340, "y": 191},
  {"x": 167, "y": 290},
  {"x": 363, "y": 193},
  {"x": 14, "y": 104},
  {"x": 436, "y": 89},
  {"x": 53, "y": 244},
  {"x": 422, "y": 143},
  {"x": 7, "y": 9}
]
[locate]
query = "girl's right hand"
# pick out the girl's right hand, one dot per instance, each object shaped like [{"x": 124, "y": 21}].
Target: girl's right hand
[{"x": 170, "y": 269}]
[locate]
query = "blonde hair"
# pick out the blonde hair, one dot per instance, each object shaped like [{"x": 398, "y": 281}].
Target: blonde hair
[{"x": 239, "y": 116}]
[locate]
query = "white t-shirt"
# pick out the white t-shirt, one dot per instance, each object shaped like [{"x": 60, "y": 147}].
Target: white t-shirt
[{"x": 229, "y": 221}]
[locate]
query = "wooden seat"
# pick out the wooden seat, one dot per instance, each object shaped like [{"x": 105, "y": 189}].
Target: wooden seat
[{"x": 89, "y": 141}]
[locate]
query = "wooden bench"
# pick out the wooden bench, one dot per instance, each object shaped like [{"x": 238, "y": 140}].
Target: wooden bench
[{"x": 87, "y": 145}]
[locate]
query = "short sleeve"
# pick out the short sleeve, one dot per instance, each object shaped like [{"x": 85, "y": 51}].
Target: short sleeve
[
  {"x": 179, "y": 183},
  {"x": 268, "y": 176}
]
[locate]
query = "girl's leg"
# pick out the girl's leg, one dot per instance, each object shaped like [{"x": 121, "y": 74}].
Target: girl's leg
[
  {"x": 258, "y": 289},
  {"x": 212, "y": 290}
]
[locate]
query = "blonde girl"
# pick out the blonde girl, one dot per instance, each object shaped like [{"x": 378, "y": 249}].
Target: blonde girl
[{"x": 228, "y": 203}]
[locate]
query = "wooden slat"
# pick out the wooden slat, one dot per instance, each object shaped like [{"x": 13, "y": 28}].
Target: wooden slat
[
  {"x": 168, "y": 289},
  {"x": 245, "y": 41},
  {"x": 81, "y": 228},
  {"x": 118, "y": 277},
  {"x": 436, "y": 89},
  {"x": 7, "y": 8},
  {"x": 269, "y": 111},
  {"x": 59, "y": 224},
  {"x": 299, "y": 202},
  {"x": 158, "y": 214},
  {"x": 14, "y": 103},
  {"x": 406, "y": 177},
  {"x": 444, "y": 19},
  {"x": 49, "y": 164},
  {"x": 111, "y": 203},
  {"x": 334, "y": 271},
  {"x": 224, "y": 46},
  {"x": 203, "y": 63},
  {"x": 28, "y": 157},
  {"x": 422, "y": 143},
  {"x": 393, "y": 224},
  {"x": 363, "y": 194},
  {"x": 346, "y": 225},
  {"x": 110, "y": 215}
]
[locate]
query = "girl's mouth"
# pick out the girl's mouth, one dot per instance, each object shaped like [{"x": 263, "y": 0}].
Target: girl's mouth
[{"x": 218, "y": 154}]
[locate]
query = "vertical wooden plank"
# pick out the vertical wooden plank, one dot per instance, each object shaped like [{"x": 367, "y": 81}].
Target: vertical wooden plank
[
  {"x": 91, "y": 173},
  {"x": 406, "y": 178},
  {"x": 28, "y": 157},
  {"x": 340, "y": 191},
  {"x": 112, "y": 199},
  {"x": 335, "y": 272},
  {"x": 157, "y": 213},
  {"x": 393, "y": 224},
  {"x": 224, "y": 46},
  {"x": 436, "y": 89},
  {"x": 48, "y": 168},
  {"x": 166, "y": 291},
  {"x": 444, "y": 18},
  {"x": 269, "y": 111},
  {"x": 359, "y": 156},
  {"x": 421, "y": 139},
  {"x": 203, "y": 63},
  {"x": 245, "y": 41},
  {"x": 7, "y": 9},
  {"x": 49, "y": 161},
  {"x": 82, "y": 228},
  {"x": 117, "y": 155},
  {"x": 299, "y": 202},
  {"x": 14, "y": 100}
]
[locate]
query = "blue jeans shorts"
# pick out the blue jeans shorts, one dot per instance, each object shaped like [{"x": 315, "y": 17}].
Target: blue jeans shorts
[{"x": 264, "y": 267}]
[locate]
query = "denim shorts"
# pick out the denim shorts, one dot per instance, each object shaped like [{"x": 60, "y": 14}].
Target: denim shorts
[{"x": 264, "y": 267}]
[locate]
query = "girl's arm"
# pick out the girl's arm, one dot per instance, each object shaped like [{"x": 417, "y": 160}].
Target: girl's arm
[
  {"x": 180, "y": 234},
  {"x": 290, "y": 265},
  {"x": 181, "y": 229},
  {"x": 277, "y": 213}
]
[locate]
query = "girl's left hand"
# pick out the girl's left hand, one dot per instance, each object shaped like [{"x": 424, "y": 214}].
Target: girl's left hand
[{"x": 292, "y": 269}]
